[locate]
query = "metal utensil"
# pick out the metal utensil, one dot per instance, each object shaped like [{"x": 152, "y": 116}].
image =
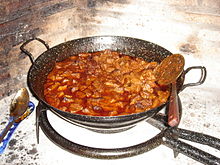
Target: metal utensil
[
  {"x": 167, "y": 72},
  {"x": 19, "y": 106},
  {"x": 6, "y": 140}
]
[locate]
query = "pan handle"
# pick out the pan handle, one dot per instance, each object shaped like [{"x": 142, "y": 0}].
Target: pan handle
[
  {"x": 25, "y": 51},
  {"x": 198, "y": 138},
  {"x": 201, "y": 80},
  {"x": 190, "y": 151}
]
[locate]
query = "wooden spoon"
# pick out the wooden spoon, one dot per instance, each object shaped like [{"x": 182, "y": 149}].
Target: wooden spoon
[{"x": 167, "y": 72}]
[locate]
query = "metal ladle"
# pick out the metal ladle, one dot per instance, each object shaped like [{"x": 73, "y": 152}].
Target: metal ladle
[
  {"x": 18, "y": 107},
  {"x": 166, "y": 73}
]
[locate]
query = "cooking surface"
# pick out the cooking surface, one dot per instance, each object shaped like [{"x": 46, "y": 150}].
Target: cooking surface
[{"x": 200, "y": 113}]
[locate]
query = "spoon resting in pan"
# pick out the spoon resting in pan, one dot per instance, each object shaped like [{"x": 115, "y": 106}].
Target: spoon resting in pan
[{"x": 166, "y": 73}]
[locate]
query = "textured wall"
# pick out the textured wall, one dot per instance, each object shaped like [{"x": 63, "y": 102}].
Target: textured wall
[{"x": 191, "y": 27}]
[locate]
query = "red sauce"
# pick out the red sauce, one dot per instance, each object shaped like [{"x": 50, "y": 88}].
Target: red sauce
[{"x": 104, "y": 83}]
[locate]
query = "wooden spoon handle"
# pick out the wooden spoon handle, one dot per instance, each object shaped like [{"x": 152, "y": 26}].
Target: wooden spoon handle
[{"x": 173, "y": 112}]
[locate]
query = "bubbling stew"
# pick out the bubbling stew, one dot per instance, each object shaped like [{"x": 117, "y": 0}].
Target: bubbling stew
[{"x": 104, "y": 83}]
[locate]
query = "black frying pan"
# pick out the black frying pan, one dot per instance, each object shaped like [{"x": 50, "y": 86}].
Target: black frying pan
[{"x": 126, "y": 45}]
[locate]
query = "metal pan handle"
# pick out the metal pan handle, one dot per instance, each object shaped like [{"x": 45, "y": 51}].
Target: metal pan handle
[
  {"x": 199, "y": 138},
  {"x": 201, "y": 80},
  {"x": 172, "y": 136},
  {"x": 188, "y": 150},
  {"x": 25, "y": 51}
]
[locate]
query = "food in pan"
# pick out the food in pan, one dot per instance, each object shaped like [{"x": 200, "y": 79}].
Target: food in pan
[{"x": 104, "y": 83}]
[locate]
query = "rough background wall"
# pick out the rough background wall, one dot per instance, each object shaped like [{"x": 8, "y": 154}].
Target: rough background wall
[{"x": 190, "y": 27}]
